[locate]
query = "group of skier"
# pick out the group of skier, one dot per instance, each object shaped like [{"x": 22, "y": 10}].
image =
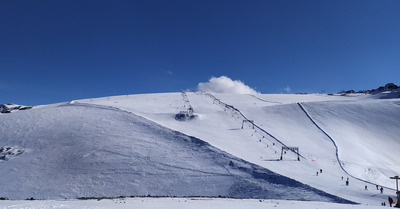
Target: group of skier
[
  {"x": 390, "y": 200},
  {"x": 320, "y": 171},
  {"x": 347, "y": 181}
]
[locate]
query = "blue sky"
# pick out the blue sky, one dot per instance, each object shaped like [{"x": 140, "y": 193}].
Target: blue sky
[{"x": 56, "y": 51}]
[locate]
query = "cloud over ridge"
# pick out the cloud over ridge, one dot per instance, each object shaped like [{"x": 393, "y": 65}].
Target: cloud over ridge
[{"x": 224, "y": 84}]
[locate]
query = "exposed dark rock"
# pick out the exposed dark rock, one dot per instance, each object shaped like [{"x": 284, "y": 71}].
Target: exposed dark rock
[
  {"x": 387, "y": 87},
  {"x": 8, "y": 108}
]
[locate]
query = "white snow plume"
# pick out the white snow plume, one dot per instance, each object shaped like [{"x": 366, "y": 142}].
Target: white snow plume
[{"x": 224, "y": 84}]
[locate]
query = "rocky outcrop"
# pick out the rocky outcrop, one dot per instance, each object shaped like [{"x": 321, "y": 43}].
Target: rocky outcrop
[
  {"x": 8, "y": 108},
  {"x": 387, "y": 87}
]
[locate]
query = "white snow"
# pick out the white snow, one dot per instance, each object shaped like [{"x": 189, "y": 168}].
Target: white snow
[
  {"x": 101, "y": 147},
  {"x": 185, "y": 203}
]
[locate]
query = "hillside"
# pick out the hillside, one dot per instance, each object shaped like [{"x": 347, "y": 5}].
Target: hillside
[
  {"x": 280, "y": 116},
  {"x": 132, "y": 145},
  {"x": 77, "y": 150}
]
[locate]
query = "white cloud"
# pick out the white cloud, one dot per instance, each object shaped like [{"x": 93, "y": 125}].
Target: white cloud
[
  {"x": 224, "y": 84},
  {"x": 170, "y": 72}
]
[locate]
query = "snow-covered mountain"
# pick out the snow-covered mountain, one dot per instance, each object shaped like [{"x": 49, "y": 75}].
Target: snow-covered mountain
[{"x": 133, "y": 145}]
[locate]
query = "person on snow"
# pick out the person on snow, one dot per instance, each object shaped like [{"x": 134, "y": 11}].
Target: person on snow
[
  {"x": 381, "y": 190},
  {"x": 390, "y": 200},
  {"x": 366, "y": 188}
]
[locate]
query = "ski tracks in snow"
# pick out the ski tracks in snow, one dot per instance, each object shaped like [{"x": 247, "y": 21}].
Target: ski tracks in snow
[
  {"x": 265, "y": 100},
  {"x": 255, "y": 126},
  {"x": 334, "y": 143}
]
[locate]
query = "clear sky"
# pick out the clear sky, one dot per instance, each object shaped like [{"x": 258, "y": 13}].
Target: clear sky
[{"x": 59, "y": 50}]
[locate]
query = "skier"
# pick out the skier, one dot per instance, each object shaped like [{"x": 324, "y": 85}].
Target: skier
[
  {"x": 377, "y": 187},
  {"x": 366, "y": 188},
  {"x": 390, "y": 200},
  {"x": 347, "y": 182},
  {"x": 320, "y": 170},
  {"x": 317, "y": 173},
  {"x": 381, "y": 190}
]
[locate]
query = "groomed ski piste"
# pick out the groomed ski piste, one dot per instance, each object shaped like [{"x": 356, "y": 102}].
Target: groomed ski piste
[{"x": 132, "y": 145}]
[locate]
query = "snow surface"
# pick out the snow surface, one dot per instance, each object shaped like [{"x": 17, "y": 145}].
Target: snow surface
[
  {"x": 184, "y": 203},
  {"x": 132, "y": 145},
  {"x": 91, "y": 150}
]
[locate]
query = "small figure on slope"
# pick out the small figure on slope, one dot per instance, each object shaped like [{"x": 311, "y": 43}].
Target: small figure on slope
[{"x": 390, "y": 200}]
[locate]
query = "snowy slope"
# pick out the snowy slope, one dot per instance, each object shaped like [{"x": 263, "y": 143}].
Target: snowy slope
[
  {"x": 115, "y": 146},
  {"x": 283, "y": 118},
  {"x": 74, "y": 150},
  {"x": 367, "y": 134}
]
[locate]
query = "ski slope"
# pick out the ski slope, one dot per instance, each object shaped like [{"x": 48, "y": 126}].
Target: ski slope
[
  {"x": 76, "y": 150},
  {"x": 281, "y": 116},
  {"x": 132, "y": 145}
]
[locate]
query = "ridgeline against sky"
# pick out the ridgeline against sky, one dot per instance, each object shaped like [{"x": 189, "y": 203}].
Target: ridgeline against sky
[{"x": 55, "y": 51}]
